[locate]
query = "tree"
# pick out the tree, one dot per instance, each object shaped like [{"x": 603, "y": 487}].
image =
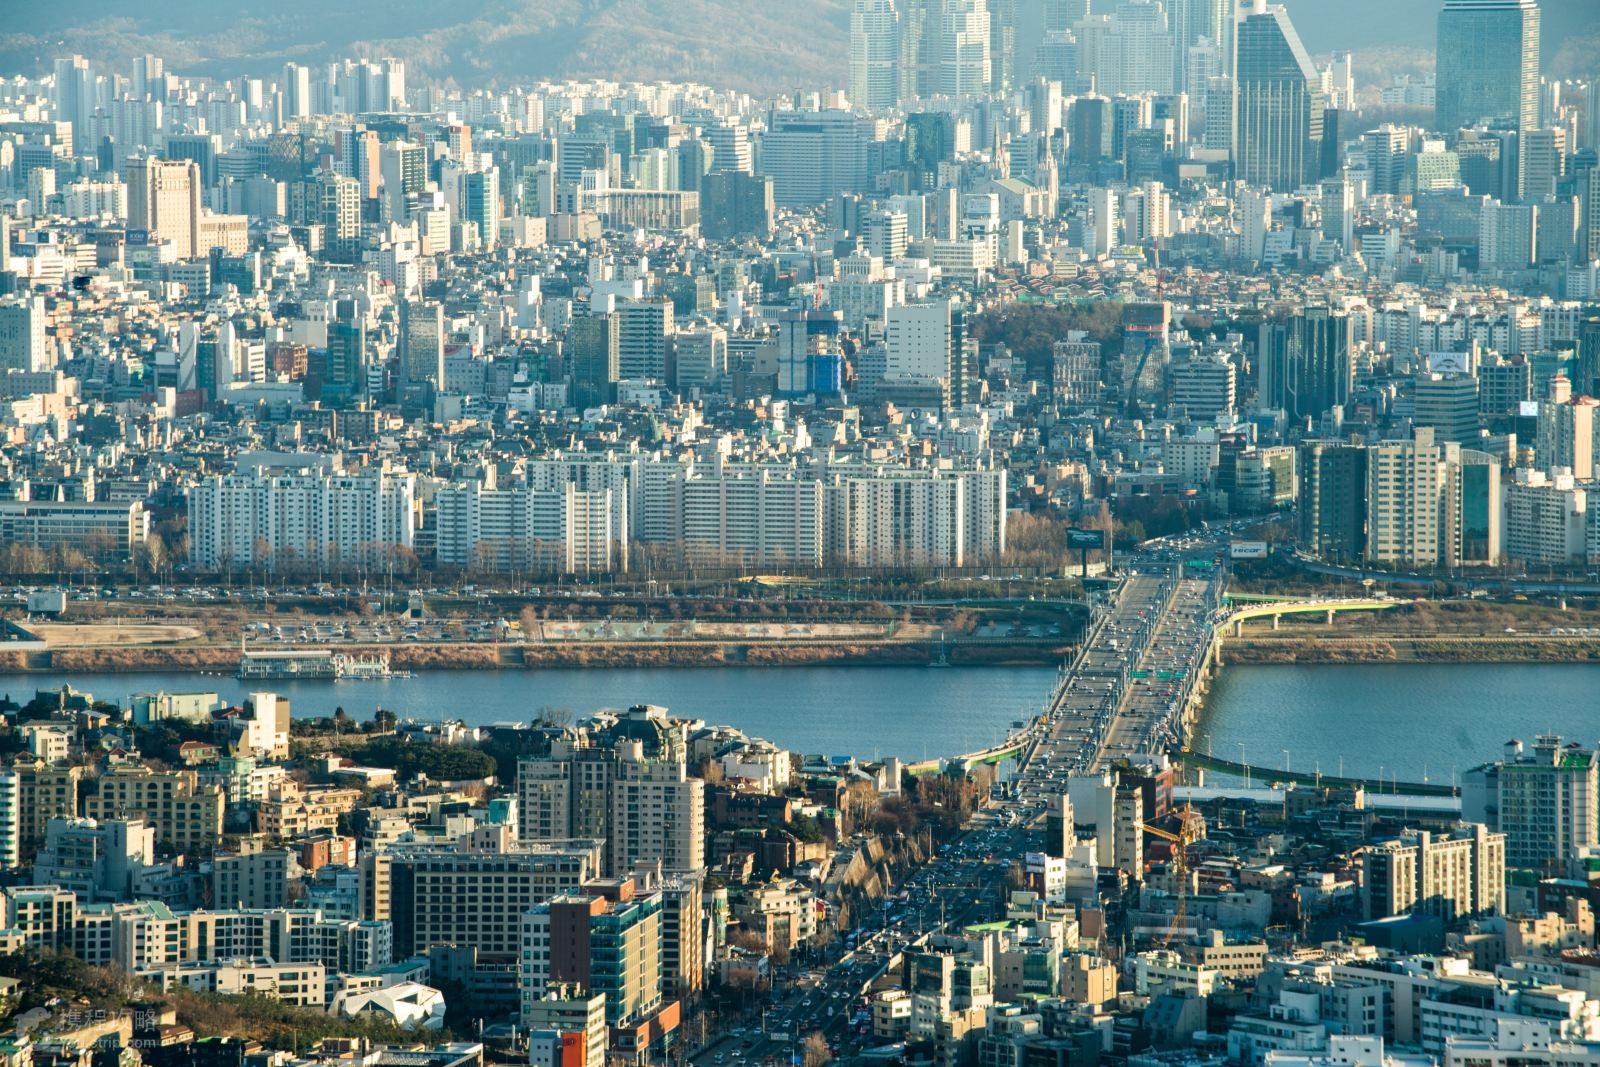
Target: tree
[{"x": 815, "y": 1051}]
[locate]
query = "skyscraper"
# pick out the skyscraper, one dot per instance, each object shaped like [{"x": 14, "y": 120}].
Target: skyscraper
[
  {"x": 965, "y": 62},
  {"x": 1278, "y": 104},
  {"x": 1136, "y": 54},
  {"x": 1305, "y": 363},
  {"x": 164, "y": 200},
  {"x": 874, "y": 54},
  {"x": 1194, "y": 21},
  {"x": 421, "y": 343},
  {"x": 1488, "y": 66},
  {"x": 593, "y": 349}
]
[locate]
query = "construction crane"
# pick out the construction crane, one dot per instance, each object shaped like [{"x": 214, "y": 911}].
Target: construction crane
[{"x": 1191, "y": 828}]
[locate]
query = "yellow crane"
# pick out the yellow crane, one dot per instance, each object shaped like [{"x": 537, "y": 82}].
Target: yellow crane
[{"x": 1191, "y": 828}]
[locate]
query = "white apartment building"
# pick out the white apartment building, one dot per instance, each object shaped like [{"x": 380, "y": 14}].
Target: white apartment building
[
  {"x": 1546, "y": 518},
  {"x": 10, "y": 819},
  {"x": 306, "y": 516},
  {"x": 1544, "y": 802},
  {"x": 563, "y": 529},
  {"x": 901, "y": 521},
  {"x": 754, "y": 515}
]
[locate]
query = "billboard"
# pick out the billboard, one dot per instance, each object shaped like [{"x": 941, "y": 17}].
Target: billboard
[
  {"x": 1085, "y": 539},
  {"x": 1248, "y": 550}
]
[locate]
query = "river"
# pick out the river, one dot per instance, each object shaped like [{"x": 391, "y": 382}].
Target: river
[
  {"x": 867, "y": 712},
  {"x": 1416, "y": 721}
]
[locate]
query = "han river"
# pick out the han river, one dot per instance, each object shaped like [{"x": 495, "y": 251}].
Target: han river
[{"x": 1412, "y": 721}]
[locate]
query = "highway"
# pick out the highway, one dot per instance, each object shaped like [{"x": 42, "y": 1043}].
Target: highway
[
  {"x": 1122, "y": 694},
  {"x": 1125, "y": 691}
]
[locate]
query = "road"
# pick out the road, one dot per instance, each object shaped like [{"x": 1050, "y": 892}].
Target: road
[{"x": 1103, "y": 709}]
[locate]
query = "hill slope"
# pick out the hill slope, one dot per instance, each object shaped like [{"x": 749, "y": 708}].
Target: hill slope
[{"x": 761, "y": 45}]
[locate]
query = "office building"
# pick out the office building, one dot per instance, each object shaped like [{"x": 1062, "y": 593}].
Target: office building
[
  {"x": 164, "y": 203},
  {"x": 1278, "y": 103},
  {"x": 420, "y": 347},
  {"x": 1449, "y": 404},
  {"x": 1333, "y": 500},
  {"x": 455, "y": 897},
  {"x": 1306, "y": 363},
  {"x": 102, "y": 530},
  {"x": 874, "y": 54},
  {"x": 811, "y": 155},
  {"x": 1488, "y": 65}
]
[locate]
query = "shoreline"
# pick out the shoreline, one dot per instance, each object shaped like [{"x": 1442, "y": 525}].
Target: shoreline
[
  {"x": 1409, "y": 648},
  {"x": 514, "y": 657}
]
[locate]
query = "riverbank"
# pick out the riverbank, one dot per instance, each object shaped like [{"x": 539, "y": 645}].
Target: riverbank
[
  {"x": 1418, "y": 648},
  {"x": 514, "y": 656}
]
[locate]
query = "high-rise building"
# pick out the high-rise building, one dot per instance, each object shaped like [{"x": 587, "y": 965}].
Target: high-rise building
[
  {"x": 730, "y": 145},
  {"x": 23, "y": 345},
  {"x": 702, "y": 357},
  {"x": 1333, "y": 500},
  {"x": 1565, "y": 433},
  {"x": 1508, "y": 236},
  {"x": 403, "y": 173},
  {"x": 1305, "y": 363},
  {"x": 1544, "y": 802},
  {"x": 1450, "y": 876},
  {"x": 607, "y": 942},
  {"x": 1338, "y": 212},
  {"x": 1449, "y": 404},
  {"x": 811, "y": 155},
  {"x": 420, "y": 347},
  {"x": 645, "y": 329},
  {"x": 1488, "y": 65},
  {"x": 1278, "y": 103},
  {"x": 1136, "y": 53},
  {"x": 1199, "y": 25},
  {"x": 296, "y": 92},
  {"x": 965, "y": 60},
  {"x": 593, "y": 348},
  {"x": 1405, "y": 501},
  {"x": 10, "y": 819},
  {"x": 1541, "y": 163},
  {"x": 636, "y": 794},
  {"x": 300, "y": 516},
  {"x": 874, "y": 54},
  {"x": 164, "y": 202}
]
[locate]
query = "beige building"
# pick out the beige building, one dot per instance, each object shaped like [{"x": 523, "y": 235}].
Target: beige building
[
  {"x": 253, "y": 877},
  {"x": 45, "y": 793},
  {"x": 1450, "y": 876},
  {"x": 164, "y": 200},
  {"x": 182, "y": 814}
]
